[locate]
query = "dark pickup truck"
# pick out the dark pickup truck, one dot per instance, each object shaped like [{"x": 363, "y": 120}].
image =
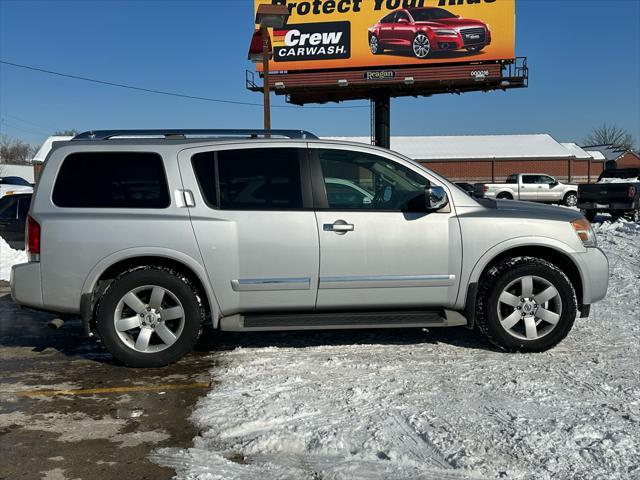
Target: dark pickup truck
[{"x": 617, "y": 193}]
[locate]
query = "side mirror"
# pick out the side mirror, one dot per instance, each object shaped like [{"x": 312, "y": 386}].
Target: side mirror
[
  {"x": 553, "y": 184},
  {"x": 403, "y": 20},
  {"x": 435, "y": 198}
]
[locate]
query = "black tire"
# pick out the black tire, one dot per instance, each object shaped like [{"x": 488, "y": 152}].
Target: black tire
[
  {"x": 570, "y": 199},
  {"x": 504, "y": 196},
  {"x": 179, "y": 288},
  {"x": 633, "y": 215},
  {"x": 590, "y": 214},
  {"x": 378, "y": 50},
  {"x": 502, "y": 275}
]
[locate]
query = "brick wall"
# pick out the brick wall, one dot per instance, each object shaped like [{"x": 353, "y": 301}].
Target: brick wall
[
  {"x": 629, "y": 160},
  {"x": 480, "y": 170}
]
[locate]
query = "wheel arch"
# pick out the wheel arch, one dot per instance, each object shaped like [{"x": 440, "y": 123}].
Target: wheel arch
[
  {"x": 110, "y": 267},
  {"x": 550, "y": 250}
]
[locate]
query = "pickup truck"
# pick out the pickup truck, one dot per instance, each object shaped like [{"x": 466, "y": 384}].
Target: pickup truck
[
  {"x": 534, "y": 187},
  {"x": 617, "y": 192}
]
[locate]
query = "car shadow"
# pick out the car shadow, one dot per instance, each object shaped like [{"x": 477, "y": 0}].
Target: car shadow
[{"x": 29, "y": 328}]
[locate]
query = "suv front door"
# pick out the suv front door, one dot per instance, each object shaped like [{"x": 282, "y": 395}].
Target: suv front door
[
  {"x": 383, "y": 250},
  {"x": 255, "y": 226}
]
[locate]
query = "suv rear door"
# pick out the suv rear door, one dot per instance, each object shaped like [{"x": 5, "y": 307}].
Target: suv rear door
[
  {"x": 254, "y": 223},
  {"x": 385, "y": 251}
]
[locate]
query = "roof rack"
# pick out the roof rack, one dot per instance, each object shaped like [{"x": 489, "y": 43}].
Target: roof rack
[{"x": 179, "y": 134}]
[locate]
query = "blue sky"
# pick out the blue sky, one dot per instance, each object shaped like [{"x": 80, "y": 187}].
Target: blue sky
[{"x": 584, "y": 58}]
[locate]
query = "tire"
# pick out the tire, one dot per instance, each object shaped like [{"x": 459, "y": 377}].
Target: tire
[
  {"x": 421, "y": 46},
  {"x": 590, "y": 214},
  {"x": 514, "y": 325},
  {"x": 504, "y": 196},
  {"x": 570, "y": 199},
  {"x": 374, "y": 45},
  {"x": 152, "y": 339},
  {"x": 633, "y": 215}
]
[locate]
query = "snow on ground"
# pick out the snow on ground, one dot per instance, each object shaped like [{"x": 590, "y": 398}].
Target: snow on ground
[
  {"x": 422, "y": 405},
  {"x": 9, "y": 257}
]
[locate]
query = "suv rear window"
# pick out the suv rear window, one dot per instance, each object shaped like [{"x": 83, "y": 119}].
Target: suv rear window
[
  {"x": 250, "y": 179},
  {"x": 112, "y": 180}
]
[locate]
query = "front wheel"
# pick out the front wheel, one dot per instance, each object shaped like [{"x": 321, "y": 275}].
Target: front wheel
[
  {"x": 526, "y": 304},
  {"x": 421, "y": 46},
  {"x": 149, "y": 317},
  {"x": 570, "y": 199}
]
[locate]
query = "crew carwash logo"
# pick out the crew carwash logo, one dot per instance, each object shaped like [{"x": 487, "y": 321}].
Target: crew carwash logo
[{"x": 312, "y": 41}]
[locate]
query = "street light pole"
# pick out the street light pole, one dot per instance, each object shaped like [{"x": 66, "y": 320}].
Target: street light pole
[{"x": 265, "y": 79}]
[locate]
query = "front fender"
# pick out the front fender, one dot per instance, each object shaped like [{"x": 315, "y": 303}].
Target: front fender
[{"x": 512, "y": 243}]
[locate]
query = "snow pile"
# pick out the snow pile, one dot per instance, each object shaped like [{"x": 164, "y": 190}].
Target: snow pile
[
  {"x": 9, "y": 257},
  {"x": 413, "y": 404}
]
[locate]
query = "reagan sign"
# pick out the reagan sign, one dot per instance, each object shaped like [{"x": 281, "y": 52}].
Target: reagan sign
[{"x": 328, "y": 34}]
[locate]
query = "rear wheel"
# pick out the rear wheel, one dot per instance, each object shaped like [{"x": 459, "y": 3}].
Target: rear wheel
[
  {"x": 526, "y": 304},
  {"x": 590, "y": 214},
  {"x": 505, "y": 196},
  {"x": 570, "y": 199},
  {"x": 149, "y": 317},
  {"x": 374, "y": 45}
]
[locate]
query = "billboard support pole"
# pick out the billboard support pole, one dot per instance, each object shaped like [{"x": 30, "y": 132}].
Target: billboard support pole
[
  {"x": 265, "y": 79},
  {"x": 382, "y": 120}
]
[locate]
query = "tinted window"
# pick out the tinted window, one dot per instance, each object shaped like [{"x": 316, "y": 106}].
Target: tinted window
[
  {"x": 259, "y": 179},
  {"x": 402, "y": 15},
  {"x": 8, "y": 208},
  {"x": 385, "y": 185},
  {"x": 512, "y": 179},
  {"x": 426, "y": 14},
  {"x": 389, "y": 18},
  {"x": 23, "y": 206},
  {"x": 530, "y": 179},
  {"x": 14, "y": 181},
  {"x": 204, "y": 167},
  {"x": 111, "y": 180},
  {"x": 545, "y": 179}
]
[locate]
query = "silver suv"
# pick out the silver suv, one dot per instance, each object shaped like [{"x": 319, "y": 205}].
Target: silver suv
[{"x": 147, "y": 234}]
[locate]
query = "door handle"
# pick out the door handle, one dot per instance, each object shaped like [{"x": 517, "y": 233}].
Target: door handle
[{"x": 339, "y": 226}]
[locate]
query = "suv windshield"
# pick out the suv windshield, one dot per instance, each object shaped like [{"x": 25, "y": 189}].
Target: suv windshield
[{"x": 426, "y": 14}]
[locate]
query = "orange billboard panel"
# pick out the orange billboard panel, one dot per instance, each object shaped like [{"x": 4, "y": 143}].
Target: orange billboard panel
[{"x": 330, "y": 34}]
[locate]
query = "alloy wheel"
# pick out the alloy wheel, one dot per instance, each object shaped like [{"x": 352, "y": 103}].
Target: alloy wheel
[
  {"x": 571, "y": 200},
  {"x": 421, "y": 46},
  {"x": 529, "y": 307},
  {"x": 373, "y": 44},
  {"x": 149, "y": 319}
]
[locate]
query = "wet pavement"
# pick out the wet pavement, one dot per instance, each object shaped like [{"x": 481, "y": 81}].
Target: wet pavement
[{"x": 68, "y": 411}]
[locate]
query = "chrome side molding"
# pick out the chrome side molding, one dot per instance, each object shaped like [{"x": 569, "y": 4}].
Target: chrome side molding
[{"x": 270, "y": 284}]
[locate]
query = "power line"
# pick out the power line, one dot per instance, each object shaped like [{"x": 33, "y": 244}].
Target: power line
[{"x": 161, "y": 92}]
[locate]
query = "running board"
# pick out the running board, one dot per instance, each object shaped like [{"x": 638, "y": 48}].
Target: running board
[{"x": 341, "y": 320}]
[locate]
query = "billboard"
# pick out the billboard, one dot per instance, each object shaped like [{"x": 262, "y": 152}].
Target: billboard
[{"x": 330, "y": 34}]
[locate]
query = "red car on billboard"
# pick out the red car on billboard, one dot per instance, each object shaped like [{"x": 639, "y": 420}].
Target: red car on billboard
[{"x": 426, "y": 30}]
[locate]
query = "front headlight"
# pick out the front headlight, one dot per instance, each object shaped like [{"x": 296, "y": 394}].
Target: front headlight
[
  {"x": 584, "y": 231},
  {"x": 445, "y": 32}
]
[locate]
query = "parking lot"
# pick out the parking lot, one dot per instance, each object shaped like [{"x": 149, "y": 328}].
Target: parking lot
[{"x": 108, "y": 418}]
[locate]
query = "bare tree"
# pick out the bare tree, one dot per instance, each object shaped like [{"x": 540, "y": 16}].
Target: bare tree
[
  {"x": 13, "y": 150},
  {"x": 610, "y": 135}
]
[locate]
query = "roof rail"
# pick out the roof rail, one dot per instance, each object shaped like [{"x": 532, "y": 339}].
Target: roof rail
[{"x": 194, "y": 133}]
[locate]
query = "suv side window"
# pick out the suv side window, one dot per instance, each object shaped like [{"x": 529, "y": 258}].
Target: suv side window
[
  {"x": 385, "y": 185},
  {"x": 259, "y": 179},
  {"x": 112, "y": 180}
]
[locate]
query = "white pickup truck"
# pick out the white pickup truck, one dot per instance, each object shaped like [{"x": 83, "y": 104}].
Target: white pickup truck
[{"x": 534, "y": 187}]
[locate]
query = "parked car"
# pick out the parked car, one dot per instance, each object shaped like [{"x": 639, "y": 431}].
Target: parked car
[
  {"x": 424, "y": 31},
  {"x": 11, "y": 185},
  {"x": 467, "y": 187},
  {"x": 13, "y": 215},
  {"x": 145, "y": 238},
  {"x": 533, "y": 187},
  {"x": 617, "y": 192}
]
